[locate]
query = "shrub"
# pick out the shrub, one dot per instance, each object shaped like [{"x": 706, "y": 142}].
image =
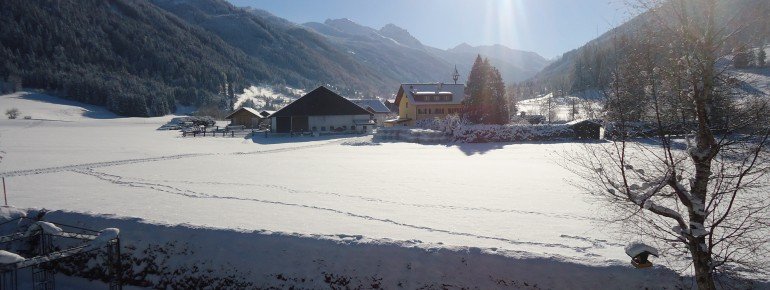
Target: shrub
[{"x": 12, "y": 113}]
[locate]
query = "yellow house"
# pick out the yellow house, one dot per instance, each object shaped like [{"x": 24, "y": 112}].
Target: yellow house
[{"x": 427, "y": 101}]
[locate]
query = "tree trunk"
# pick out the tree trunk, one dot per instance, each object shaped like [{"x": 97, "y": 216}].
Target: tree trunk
[{"x": 702, "y": 264}]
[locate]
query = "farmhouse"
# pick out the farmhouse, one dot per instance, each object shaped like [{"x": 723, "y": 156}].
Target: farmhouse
[
  {"x": 322, "y": 110},
  {"x": 376, "y": 107},
  {"x": 247, "y": 117},
  {"x": 427, "y": 101}
]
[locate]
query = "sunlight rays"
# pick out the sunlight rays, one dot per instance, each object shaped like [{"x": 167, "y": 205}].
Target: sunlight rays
[{"x": 504, "y": 19}]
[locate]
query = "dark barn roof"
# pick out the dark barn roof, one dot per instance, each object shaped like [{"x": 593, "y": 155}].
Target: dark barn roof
[{"x": 320, "y": 102}]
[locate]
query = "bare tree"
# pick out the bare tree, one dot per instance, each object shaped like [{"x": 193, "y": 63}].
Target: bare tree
[
  {"x": 548, "y": 108},
  {"x": 701, "y": 196},
  {"x": 12, "y": 113}
]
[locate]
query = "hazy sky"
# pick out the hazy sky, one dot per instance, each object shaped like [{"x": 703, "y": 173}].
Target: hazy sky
[{"x": 548, "y": 27}]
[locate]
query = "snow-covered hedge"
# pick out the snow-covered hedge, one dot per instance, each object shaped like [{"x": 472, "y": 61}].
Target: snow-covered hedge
[
  {"x": 511, "y": 133},
  {"x": 407, "y": 134}
]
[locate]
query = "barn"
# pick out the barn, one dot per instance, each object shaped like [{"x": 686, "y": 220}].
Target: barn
[
  {"x": 247, "y": 117},
  {"x": 322, "y": 111},
  {"x": 587, "y": 129}
]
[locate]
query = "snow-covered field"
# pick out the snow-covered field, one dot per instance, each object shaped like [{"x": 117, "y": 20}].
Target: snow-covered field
[{"x": 511, "y": 207}]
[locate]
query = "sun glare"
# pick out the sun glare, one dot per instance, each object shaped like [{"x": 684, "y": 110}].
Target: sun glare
[{"x": 503, "y": 19}]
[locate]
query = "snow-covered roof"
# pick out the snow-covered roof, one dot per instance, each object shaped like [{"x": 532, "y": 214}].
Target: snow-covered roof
[
  {"x": 636, "y": 248},
  {"x": 578, "y": 121},
  {"x": 457, "y": 91},
  {"x": 266, "y": 113},
  {"x": 250, "y": 110},
  {"x": 375, "y": 105}
]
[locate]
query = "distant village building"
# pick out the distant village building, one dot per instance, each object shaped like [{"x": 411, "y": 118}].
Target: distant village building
[
  {"x": 376, "y": 107},
  {"x": 427, "y": 101},
  {"x": 322, "y": 111},
  {"x": 247, "y": 117}
]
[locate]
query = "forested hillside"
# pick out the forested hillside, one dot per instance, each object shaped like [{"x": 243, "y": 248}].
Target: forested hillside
[
  {"x": 125, "y": 54},
  {"x": 297, "y": 53},
  {"x": 588, "y": 67},
  {"x": 139, "y": 60}
]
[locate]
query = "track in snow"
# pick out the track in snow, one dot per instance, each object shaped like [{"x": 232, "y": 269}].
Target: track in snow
[
  {"x": 119, "y": 180},
  {"x": 151, "y": 159},
  {"x": 374, "y": 200}
]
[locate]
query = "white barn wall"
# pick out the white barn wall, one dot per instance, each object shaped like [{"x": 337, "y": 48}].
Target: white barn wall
[
  {"x": 338, "y": 121},
  {"x": 333, "y": 120}
]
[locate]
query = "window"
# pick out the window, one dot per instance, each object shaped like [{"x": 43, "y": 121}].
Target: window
[
  {"x": 364, "y": 128},
  {"x": 353, "y": 128},
  {"x": 323, "y": 128},
  {"x": 314, "y": 128}
]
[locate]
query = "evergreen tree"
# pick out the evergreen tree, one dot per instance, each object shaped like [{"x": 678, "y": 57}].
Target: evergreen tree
[
  {"x": 497, "y": 104},
  {"x": 474, "y": 90},
  {"x": 486, "y": 102}
]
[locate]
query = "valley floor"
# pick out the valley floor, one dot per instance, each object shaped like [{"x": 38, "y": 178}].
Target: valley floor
[{"x": 307, "y": 209}]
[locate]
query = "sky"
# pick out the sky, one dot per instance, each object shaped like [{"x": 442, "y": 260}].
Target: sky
[{"x": 548, "y": 27}]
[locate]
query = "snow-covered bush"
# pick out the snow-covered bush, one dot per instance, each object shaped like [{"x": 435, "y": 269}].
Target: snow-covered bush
[
  {"x": 482, "y": 134},
  {"x": 511, "y": 133},
  {"x": 447, "y": 124}
]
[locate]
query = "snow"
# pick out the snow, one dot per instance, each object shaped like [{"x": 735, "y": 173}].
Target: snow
[
  {"x": 45, "y": 227},
  {"x": 636, "y": 248},
  {"x": 104, "y": 237},
  {"x": 9, "y": 258},
  {"x": 8, "y": 213},
  {"x": 587, "y": 103},
  {"x": 300, "y": 206}
]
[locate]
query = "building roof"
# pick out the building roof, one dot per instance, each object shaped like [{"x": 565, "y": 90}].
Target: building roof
[
  {"x": 266, "y": 113},
  {"x": 375, "y": 105},
  {"x": 409, "y": 91},
  {"x": 587, "y": 121},
  {"x": 320, "y": 102},
  {"x": 250, "y": 110}
]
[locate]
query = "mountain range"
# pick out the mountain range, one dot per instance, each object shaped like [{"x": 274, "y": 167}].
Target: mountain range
[
  {"x": 393, "y": 52},
  {"x": 143, "y": 57}
]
